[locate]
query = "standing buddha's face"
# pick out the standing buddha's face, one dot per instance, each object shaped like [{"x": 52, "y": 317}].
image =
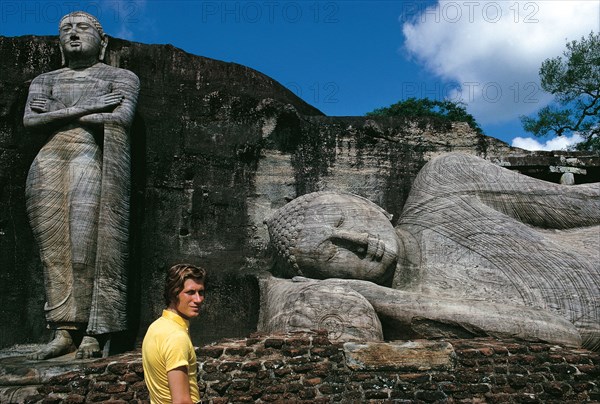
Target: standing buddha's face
[
  {"x": 346, "y": 237},
  {"x": 79, "y": 38}
]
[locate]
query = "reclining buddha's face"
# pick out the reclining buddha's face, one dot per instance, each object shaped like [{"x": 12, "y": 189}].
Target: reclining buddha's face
[{"x": 344, "y": 236}]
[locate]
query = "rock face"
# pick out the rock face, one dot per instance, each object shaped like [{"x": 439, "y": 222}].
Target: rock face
[{"x": 216, "y": 148}]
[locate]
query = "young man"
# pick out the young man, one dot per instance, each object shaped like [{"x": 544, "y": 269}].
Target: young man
[{"x": 168, "y": 355}]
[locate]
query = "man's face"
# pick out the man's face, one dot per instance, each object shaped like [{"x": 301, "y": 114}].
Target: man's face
[
  {"x": 189, "y": 299},
  {"x": 79, "y": 38}
]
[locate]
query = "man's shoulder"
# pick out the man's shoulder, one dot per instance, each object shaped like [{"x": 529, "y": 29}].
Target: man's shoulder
[
  {"x": 164, "y": 332},
  {"x": 165, "y": 325}
]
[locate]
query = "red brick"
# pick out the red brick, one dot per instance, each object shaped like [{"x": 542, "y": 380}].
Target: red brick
[
  {"x": 252, "y": 366},
  {"x": 220, "y": 387},
  {"x": 312, "y": 381},
  {"x": 117, "y": 368},
  {"x": 321, "y": 340},
  {"x": 94, "y": 368},
  {"x": 556, "y": 389},
  {"x": 331, "y": 388},
  {"x": 238, "y": 351},
  {"x": 592, "y": 370},
  {"x": 111, "y": 388},
  {"x": 97, "y": 397},
  {"x": 126, "y": 396},
  {"x": 298, "y": 341},
  {"x": 377, "y": 394},
  {"x": 538, "y": 348},
  {"x": 307, "y": 394},
  {"x": 131, "y": 378},
  {"x": 360, "y": 377},
  {"x": 270, "y": 398},
  {"x": 452, "y": 387},
  {"x": 74, "y": 399},
  {"x": 282, "y": 371},
  {"x": 252, "y": 341},
  {"x": 414, "y": 377},
  {"x": 107, "y": 378},
  {"x": 240, "y": 384},
  {"x": 137, "y": 367},
  {"x": 293, "y": 351},
  {"x": 275, "y": 389},
  {"x": 211, "y": 351},
  {"x": 51, "y": 400},
  {"x": 276, "y": 343},
  {"x": 430, "y": 396},
  {"x": 500, "y": 350},
  {"x": 209, "y": 367},
  {"x": 229, "y": 366},
  {"x": 260, "y": 352},
  {"x": 243, "y": 399},
  {"x": 326, "y": 351},
  {"x": 65, "y": 378}
]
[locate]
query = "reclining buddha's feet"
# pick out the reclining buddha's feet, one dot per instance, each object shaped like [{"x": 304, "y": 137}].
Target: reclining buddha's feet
[{"x": 61, "y": 344}]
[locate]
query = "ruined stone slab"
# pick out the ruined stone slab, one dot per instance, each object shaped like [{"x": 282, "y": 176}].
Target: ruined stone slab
[
  {"x": 564, "y": 169},
  {"x": 400, "y": 355}
]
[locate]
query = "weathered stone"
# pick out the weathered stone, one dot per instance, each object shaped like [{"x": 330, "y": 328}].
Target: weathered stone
[
  {"x": 237, "y": 351},
  {"x": 274, "y": 343},
  {"x": 131, "y": 378},
  {"x": 217, "y": 147},
  {"x": 118, "y": 368},
  {"x": 376, "y": 394},
  {"x": 82, "y": 226},
  {"x": 441, "y": 267},
  {"x": 229, "y": 366},
  {"x": 251, "y": 366},
  {"x": 74, "y": 399},
  {"x": 413, "y": 355},
  {"x": 307, "y": 305}
]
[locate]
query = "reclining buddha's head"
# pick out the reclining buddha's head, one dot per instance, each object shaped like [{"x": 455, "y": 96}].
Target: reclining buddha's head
[{"x": 334, "y": 235}]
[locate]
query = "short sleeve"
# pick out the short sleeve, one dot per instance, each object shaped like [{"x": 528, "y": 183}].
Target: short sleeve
[{"x": 176, "y": 351}]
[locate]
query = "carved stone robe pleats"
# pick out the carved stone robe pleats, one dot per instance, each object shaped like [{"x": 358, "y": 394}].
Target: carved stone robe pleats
[
  {"x": 63, "y": 197},
  {"x": 78, "y": 192},
  {"x": 488, "y": 233}
]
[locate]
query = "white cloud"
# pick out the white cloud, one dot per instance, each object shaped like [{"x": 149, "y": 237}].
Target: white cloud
[
  {"x": 494, "y": 49},
  {"x": 556, "y": 143}
]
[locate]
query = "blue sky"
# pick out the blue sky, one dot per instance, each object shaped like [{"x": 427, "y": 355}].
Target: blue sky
[{"x": 350, "y": 57}]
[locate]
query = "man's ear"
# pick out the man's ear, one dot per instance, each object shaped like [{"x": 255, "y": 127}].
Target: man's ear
[{"x": 103, "y": 45}]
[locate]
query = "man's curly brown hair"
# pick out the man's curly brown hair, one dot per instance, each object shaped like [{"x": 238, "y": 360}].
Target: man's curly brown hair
[{"x": 176, "y": 277}]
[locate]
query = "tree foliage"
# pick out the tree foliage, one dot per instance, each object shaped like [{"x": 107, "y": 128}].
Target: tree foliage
[
  {"x": 574, "y": 80},
  {"x": 446, "y": 111}
]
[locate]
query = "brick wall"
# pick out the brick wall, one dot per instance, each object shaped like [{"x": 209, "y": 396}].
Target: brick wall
[{"x": 309, "y": 368}]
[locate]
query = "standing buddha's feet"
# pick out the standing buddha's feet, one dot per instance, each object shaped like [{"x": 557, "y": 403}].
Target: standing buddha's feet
[{"x": 61, "y": 344}]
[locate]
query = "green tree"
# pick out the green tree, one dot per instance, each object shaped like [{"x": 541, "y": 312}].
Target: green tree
[
  {"x": 574, "y": 80},
  {"x": 443, "y": 111}
]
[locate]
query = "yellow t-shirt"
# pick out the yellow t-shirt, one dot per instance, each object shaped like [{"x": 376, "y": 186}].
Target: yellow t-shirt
[{"x": 167, "y": 346}]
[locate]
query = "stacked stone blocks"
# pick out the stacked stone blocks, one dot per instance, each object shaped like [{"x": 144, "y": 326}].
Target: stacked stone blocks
[{"x": 308, "y": 367}]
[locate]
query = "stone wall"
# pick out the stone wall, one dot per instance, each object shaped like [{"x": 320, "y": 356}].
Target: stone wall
[{"x": 308, "y": 367}]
